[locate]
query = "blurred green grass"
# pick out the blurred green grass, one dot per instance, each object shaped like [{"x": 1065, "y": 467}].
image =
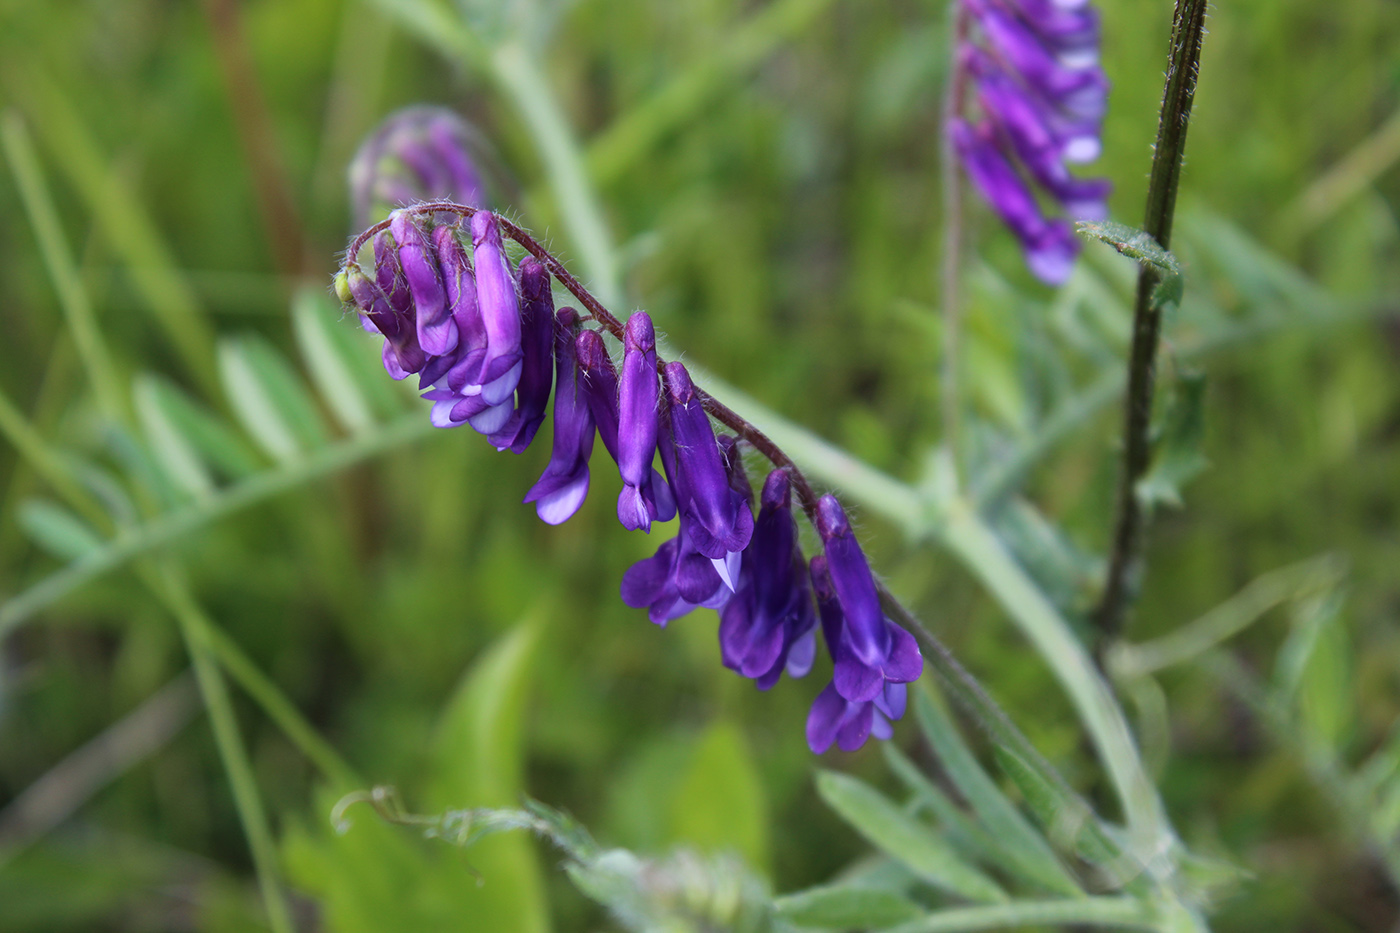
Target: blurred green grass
[{"x": 785, "y": 235}]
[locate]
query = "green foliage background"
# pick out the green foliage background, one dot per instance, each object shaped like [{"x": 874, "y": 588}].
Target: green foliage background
[{"x": 782, "y": 224}]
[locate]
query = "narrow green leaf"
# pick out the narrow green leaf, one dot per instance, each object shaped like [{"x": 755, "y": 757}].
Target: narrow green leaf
[
  {"x": 269, "y": 399},
  {"x": 844, "y": 907},
  {"x": 1071, "y": 827},
  {"x": 1018, "y": 839},
  {"x": 213, "y": 439},
  {"x": 1180, "y": 438},
  {"x": 1310, "y": 618},
  {"x": 478, "y": 760},
  {"x": 318, "y": 336},
  {"x": 173, "y": 451},
  {"x": 890, "y": 830},
  {"x": 57, "y": 530}
]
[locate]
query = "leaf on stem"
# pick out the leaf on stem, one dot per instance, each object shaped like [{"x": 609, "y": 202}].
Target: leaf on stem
[{"x": 1138, "y": 244}]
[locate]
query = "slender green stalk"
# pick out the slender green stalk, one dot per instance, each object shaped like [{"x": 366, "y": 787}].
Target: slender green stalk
[
  {"x": 194, "y": 627},
  {"x": 517, "y": 73},
  {"x": 172, "y": 526},
  {"x": 72, "y": 297},
  {"x": 280, "y": 709},
  {"x": 16, "y": 429},
  {"x": 1188, "y": 29},
  {"x": 1227, "y": 619},
  {"x": 968, "y": 538},
  {"x": 1120, "y": 912}
]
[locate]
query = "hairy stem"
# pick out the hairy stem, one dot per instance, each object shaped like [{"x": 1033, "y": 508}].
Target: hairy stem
[{"x": 1188, "y": 29}]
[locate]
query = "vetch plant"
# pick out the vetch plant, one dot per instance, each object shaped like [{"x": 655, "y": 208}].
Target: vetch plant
[{"x": 486, "y": 344}]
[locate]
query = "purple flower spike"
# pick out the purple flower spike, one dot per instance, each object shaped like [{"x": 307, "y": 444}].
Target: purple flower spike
[
  {"x": 720, "y": 520},
  {"x": 1042, "y": 97},
  {"x": 536, "y": 374},
  {"x": 500, "y": 310},
  {"x": 437, "y": 332},
  {"x": 1050, "y": 245},
  {"x": 415, "y": 154},
  {"x": 771, "y": 612},
  {"x": 563, "y": 487},
  {"x": 639, "y": 396}
]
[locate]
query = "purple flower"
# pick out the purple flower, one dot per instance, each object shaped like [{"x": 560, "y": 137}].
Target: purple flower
[
  {"x": 387, "y": 306},
  {"x": 639, "y": 405},
  {"x": 437, "y": 332},
  {"x": 769, "y": 625},
  {"x": 600, "y": 386},
  {"x": 674, "y": 580},
  {"x": 563, "y": 487},
  {"x": 500, "y": 310},
  {"x": 860, "y": 700},
  {"x": 1042, "y": 97},
  {"x": 415, "y": 154},
  {"x": 719, "y": 520},
  {"x": 536, "y": 373},
  {"x": 869, "y": 649},
  {"x": 1049, "y": 244}
]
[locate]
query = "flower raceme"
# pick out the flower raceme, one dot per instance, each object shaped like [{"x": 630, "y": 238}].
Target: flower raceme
[
  {"x": 1041, "y": 93},
  {"x": 490, "y": 351}
]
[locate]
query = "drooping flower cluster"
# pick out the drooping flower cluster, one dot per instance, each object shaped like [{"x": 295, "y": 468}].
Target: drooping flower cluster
[
  {"x": 489, "y": 350},
  {"x": 419, "y": 153},
  {"x": 1041, "y": 94}
]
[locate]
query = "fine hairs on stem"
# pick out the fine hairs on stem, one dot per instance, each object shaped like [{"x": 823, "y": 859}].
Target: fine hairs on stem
[{"x": 1188, "y": 29}]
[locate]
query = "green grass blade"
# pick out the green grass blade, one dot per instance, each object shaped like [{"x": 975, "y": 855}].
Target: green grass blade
[
  {"x": 1017, "y": 840},
  {"x": 889, "y": 829}
]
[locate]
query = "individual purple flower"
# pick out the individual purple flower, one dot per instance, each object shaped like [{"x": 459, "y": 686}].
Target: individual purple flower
[
  {"x": 537, "y": 329},
  {"x": 859, "y": 701},
  {"x": 769, "y": 624},
  {"x": 639, "y": 404},
  {"x": 437, "y": 332},
  {"x": 563, "y": 487},
  {"x": 415, "y": 154},
  {"x": 387, "y": 306},
  {"x": 869, "y": 649},
  {"x": 1042, "y": 97},
  {"x": 720, "y": 521},
  {"x": 500, "y": 311},
  {"x": 600, "y": 386}
]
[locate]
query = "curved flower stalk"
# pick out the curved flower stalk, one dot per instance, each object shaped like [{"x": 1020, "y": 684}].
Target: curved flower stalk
[
  {"x": 489, "y": 350},
  {"x": 1041, "y": 96}
]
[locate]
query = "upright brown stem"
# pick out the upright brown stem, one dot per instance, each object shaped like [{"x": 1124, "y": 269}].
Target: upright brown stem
[
  {"x": 269, "y": 176},
  {"x": 1188, "y": 29}
]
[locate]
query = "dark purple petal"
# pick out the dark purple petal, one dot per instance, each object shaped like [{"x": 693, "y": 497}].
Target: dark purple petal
[
  {"x": 855, "y": 726},
  {"x": 561, "y": 490},
  {"x": 722, "y": 519},
  {"x": 537, "y": 372},
  {"x": 459, "y": 283},
  {"x": 500, "y": 310},
  {"x": 905, "y": 662},
  {"x": 892, "y": 700},
  {"x": 854, "y": 585},
  {"x": 639, "y": 394},
  {"x": 825, "y": 719},
  {"x": 645, "y": 581},
  {"x": 437, "y": 333}
]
